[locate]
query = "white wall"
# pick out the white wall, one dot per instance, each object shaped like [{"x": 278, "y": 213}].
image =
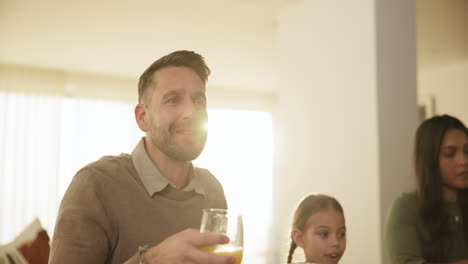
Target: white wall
[
  {"x": 397, "y": 101},
  {"x": 443, "y": 55},
  {"x": 347, "y": 111},
  {"x": 441, "y": 32},
  {"x": 328, "y": 131},
  {"x": 448, "y": 84}
]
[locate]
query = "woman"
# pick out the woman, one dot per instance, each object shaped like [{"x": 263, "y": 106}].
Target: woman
[{"x": 430, "y": 225}]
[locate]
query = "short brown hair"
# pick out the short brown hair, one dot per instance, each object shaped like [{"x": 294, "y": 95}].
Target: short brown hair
[{"x": 181, "y": 58}]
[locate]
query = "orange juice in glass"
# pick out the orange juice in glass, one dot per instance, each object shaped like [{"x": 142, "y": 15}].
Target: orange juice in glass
[
  {"x": 227, "y": 223},
  {"x": 226, "y": 250}
]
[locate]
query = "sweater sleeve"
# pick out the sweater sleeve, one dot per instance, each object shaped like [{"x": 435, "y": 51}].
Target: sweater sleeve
[
  {"x": 82, "y": 230},
  {"x": 401, "y": 238}
]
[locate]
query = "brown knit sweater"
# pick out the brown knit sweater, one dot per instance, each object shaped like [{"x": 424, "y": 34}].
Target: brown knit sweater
[{"x": 107, "y": 213}]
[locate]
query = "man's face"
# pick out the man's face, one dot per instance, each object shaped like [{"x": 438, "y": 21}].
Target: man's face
[{"x": 176, "y": 113}]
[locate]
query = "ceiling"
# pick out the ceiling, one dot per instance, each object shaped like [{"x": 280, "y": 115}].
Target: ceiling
[
  {"x": 123, "y": 37},
  {"x": 237, "y": 37}
]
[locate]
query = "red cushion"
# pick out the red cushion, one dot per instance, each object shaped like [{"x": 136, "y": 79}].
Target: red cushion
[{"x": 36, "y": 251}]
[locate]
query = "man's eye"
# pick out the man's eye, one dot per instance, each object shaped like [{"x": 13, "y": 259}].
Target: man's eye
[
  {"x": 172, "y": 100},
  {"x": 342, "y": 234}
]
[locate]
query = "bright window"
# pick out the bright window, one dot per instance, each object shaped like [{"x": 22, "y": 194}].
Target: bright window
[
  {"x": 44, "y": 141},
  {"x": 239, "y": 153}
]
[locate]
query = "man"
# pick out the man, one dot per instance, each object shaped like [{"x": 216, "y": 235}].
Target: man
[{"x": 146, "y": 207}]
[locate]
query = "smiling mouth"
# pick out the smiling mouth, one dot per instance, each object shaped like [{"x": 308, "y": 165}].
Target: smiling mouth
[{"x": 334, "y": 256}]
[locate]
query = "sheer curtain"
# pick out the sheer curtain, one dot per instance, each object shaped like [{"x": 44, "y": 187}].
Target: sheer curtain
[
  {"x": 46, "y": 136},
  {"x": 44, "y": 140},
  {"x": 29, "y": 160},
  {"x": 30, "y": 106},
  {"x": 91, "y": 129}
]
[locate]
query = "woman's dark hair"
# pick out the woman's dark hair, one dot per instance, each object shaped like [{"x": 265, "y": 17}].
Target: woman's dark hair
[
  {"x": 310, "y": 205},
  {"x": 427, "y": 148}
]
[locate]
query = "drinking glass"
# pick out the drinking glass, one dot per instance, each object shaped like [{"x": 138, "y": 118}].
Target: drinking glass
[{"x": 227, "y": 223}]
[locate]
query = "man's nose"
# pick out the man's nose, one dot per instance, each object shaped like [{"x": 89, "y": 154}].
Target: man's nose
[{"x": 189, "y": 109}]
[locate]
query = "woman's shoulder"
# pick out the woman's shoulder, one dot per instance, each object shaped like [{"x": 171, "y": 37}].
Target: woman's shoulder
[
  {"x": 405, "y": 209},
  {"x": 406, "y": 201},
  {"x": 408, "y": 197}
]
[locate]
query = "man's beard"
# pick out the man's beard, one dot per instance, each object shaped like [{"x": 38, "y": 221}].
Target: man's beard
[{"x": 188, "y": 150}]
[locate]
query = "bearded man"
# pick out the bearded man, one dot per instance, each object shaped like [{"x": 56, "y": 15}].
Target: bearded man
[{"x": 146, "y": 207}]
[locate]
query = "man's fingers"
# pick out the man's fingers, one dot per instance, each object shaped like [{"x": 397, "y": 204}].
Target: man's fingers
[
  {"x": 204, "y": 239},
  {"x": 209, "y": 239},
  {"x": 209, "y": 258}
]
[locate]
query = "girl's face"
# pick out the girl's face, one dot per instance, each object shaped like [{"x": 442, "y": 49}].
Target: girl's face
[
  {"x": 453, "y": 163},
  {"x": 324, "y": 237}
]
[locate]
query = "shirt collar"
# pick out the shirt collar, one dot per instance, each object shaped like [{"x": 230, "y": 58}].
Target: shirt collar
[{"x": 151, "y": 176}]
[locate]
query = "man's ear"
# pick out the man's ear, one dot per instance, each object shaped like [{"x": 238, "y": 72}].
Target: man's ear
[
  {"x": 141, "y": 117},
  {"x": 296, "y": 236}
]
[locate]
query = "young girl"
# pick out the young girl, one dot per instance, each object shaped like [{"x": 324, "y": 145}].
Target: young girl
[
  {"x": 430, "y": 225},
  {"x": 319, "y": 229}
]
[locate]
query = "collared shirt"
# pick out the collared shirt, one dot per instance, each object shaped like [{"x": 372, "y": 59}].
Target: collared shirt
[
  {"x": 151, "y": 176},
  {"x": 118, "y": 204}
]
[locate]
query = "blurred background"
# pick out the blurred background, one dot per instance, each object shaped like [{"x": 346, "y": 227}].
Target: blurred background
[{"x": 305, "y": 96}]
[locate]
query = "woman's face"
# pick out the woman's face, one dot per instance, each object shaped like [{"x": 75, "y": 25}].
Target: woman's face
[{"x": 453, "y": 163}]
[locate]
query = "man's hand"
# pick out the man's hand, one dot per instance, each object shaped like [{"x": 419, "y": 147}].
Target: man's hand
[{"x": 184, "y": 248}]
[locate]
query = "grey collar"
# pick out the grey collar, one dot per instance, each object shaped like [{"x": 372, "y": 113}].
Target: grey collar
[{"x": 151, "y": 176}]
